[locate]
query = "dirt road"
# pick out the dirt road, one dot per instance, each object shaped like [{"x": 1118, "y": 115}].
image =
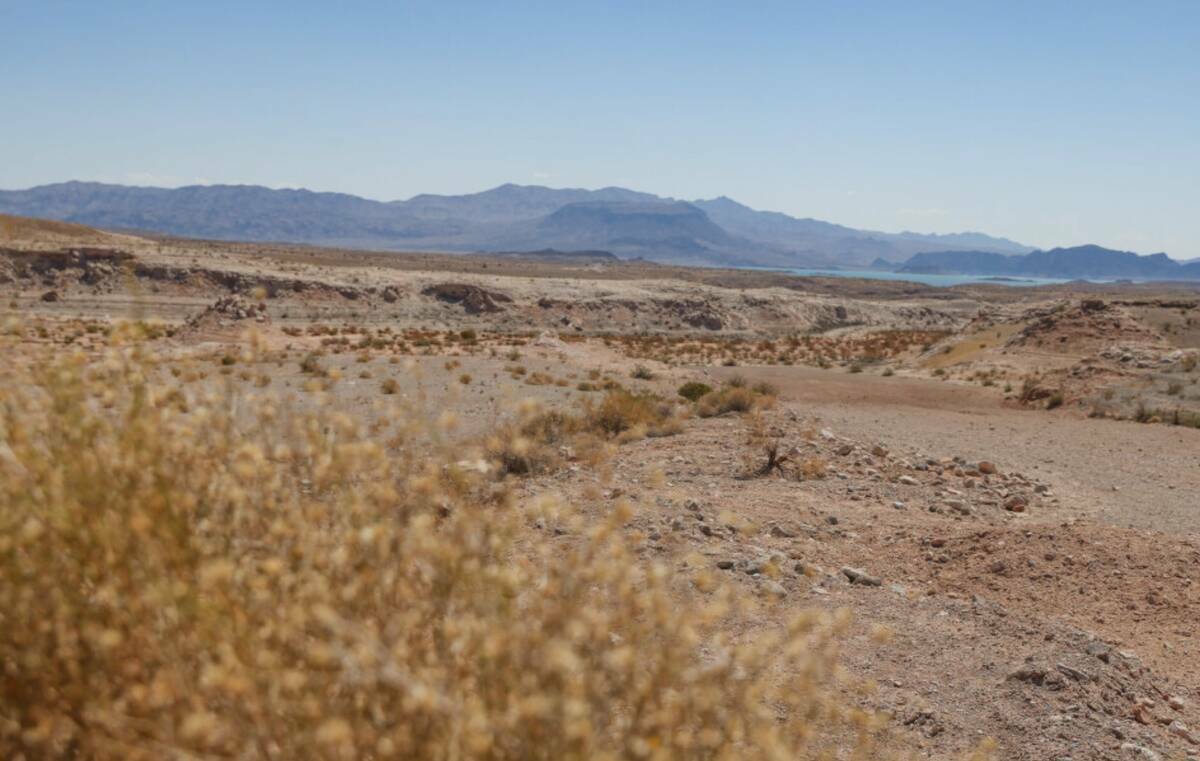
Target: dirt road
[{"x": 1118, "y": 473}]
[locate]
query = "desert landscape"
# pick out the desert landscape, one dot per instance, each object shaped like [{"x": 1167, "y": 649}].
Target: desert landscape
[{"x": 987, "y": 496}]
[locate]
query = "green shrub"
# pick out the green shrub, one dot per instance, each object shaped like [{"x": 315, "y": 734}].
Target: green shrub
[{"x": 693, "y": 390}]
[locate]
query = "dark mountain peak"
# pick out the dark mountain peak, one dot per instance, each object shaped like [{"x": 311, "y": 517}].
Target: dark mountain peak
[
  {"x": 725, "y": 202},
  {"x": 1071, "y": 262}
]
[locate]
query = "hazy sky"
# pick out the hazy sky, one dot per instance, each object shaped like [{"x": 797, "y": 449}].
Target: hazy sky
[{"x": 1051, "y": 123}]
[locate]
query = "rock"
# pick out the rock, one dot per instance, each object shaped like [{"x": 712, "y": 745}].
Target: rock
[
  {"x": 1142, "y": 715},
  {"x": 705, "y": 320},
  {"x": 879, "y": 451},
  {"x": 844, "y": 450},
  {"x": 472, "y": 298},
  {"x": 1141, "y": 752},
  {"x": 898, "y": 505},
  {"x": 859, "y": 576},
  {"x": 50, "y": 296},
  {"x": 390, "y": 294},
  {"x": 958, "y": 506},
  {"x": 782, "y": 532},
  {"x": 1076, "y": 674},
  {"x": 1100, "y": 650},
  {"x": 1176, "y": 702},
  {"x": 725, "y": 565},
  {"x": 908, "y": 481},
  {"x": 1016, "y": 504},
  {"x": 773, "y": 589},
  {"x": 986, "y": 468},
  {"x": 1042, "y": 677},
  {"x": 1179, "y": 729}
]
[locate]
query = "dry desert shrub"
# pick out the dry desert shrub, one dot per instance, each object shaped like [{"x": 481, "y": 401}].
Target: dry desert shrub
[
  {"x": 626, "y": 413},
  {"x": 736, "y": 397},
  {"x": 188, "y": 577}
]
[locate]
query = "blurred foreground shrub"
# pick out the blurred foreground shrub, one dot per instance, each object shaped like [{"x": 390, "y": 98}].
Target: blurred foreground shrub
[{"x": 185, "y": 577}]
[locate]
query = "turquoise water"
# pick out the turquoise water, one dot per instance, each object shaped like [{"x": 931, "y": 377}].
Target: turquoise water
[{"x": 939, "y": 280}]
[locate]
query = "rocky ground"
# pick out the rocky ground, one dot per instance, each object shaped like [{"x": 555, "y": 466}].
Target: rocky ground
[{"x": 1018, "y": 573}]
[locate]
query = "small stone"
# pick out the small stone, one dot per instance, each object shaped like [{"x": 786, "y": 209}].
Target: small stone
[
  {"x": 1076, "y": 674},
  {"x": 986, "y": 468},
  {"x": 1016, "y": 504},
  {"x": 725, "y": 565},
  {"x": 755, "y": 567},
  {"x": 859, "y": 576},
  {"x": 782, "y": 532},
  {"x": 958, "y": 506},
  {"x": 773, "y": 589},
  {"x": 1100, "y": 650},
  {"x": 908, "y": 481},
  {"x": 1141, "y": 752},
  {"x": 1176, "y": 702}
]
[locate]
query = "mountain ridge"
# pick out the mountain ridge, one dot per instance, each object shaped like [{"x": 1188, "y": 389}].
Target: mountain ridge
[
  {"x": 506, "y": 217},
  {"x": 1086, "y": 261}
]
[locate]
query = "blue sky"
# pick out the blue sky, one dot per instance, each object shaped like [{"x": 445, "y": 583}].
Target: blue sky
[{"x": 1051, "y": 123}]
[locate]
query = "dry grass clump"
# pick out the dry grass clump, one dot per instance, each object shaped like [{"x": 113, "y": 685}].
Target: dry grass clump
[
  {"x": 632, "y": 414},
  {"x": 539, "y": 440},
  {"x": 211, "y": 577},
  {"x": 736, "y": 397},
  {"x": 813, "y": 468},
  {"x": 536, "y": 442}
]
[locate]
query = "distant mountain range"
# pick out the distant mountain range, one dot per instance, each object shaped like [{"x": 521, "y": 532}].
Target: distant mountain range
[
  {"x": 507, "y": 218},
  {"x": 1090, "y": 262}
]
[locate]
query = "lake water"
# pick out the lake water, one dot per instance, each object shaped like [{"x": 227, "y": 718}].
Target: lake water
[{"x": 938, "y": 280}]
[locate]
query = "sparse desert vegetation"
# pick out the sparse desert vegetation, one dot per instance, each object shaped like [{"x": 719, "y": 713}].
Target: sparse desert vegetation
[
  {"x": 282, "y": 513},
  {"x": 179, "y": 579}
]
